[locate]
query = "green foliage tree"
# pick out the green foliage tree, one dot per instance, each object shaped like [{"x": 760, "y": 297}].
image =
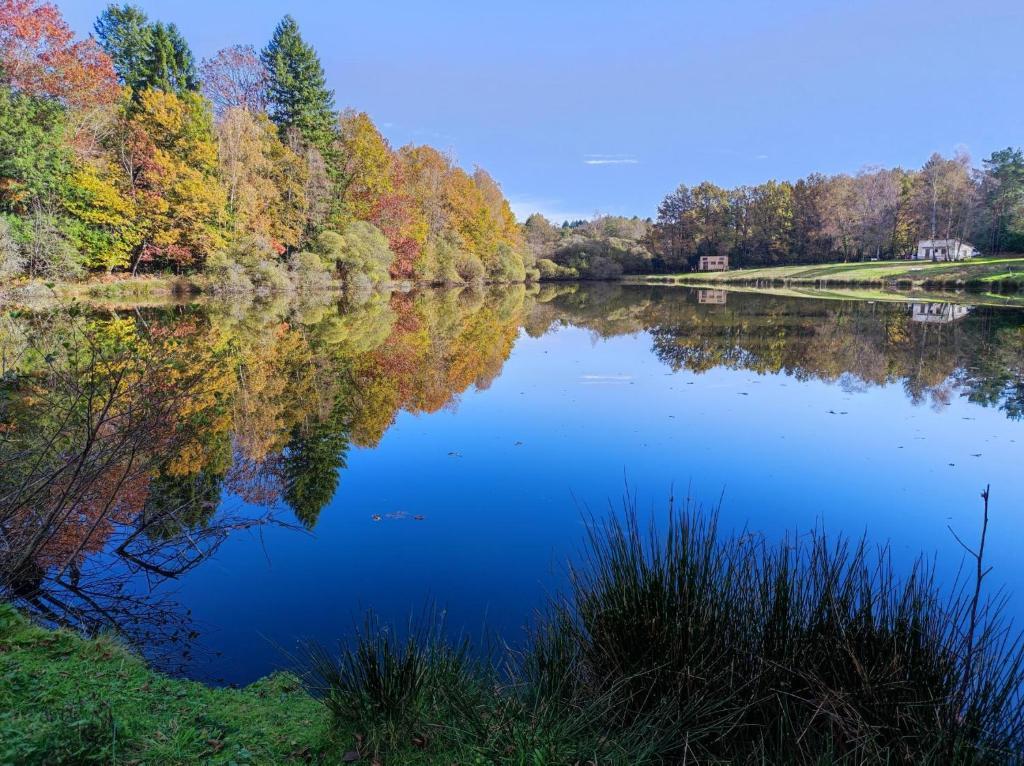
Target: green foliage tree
[
  {"x": 297, "y": 90},
  {"x": 168, "y": 65},
  {"x": 1005, "y": 199},
  {"x": 35, "y": 159},
  {"x": 125, "y": 34}
]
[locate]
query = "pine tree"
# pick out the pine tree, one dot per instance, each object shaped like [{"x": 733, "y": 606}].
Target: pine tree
[
  {"x": 298, "y": 93},
  {"x": 169, "y": 65},
  {"x": 125, "y": 34}
]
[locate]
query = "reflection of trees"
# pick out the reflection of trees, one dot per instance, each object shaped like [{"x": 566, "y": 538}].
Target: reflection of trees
[
  {"x": 980, "y": 355},
  {"x": 123, "y": 435},
  {"x": 97, "y": 413},
  {"x": 126, "y": 438}
]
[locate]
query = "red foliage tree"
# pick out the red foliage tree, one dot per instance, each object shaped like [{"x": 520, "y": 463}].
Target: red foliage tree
[{"x": 38, "y": 56}]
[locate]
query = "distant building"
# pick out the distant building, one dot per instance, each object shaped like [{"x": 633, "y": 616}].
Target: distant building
[
  {"x": 713, "y": 263},
  {"x": 944, "y": 250},
  {"x": 712, "y": 296},
  {"x": 938, "y": 313}
]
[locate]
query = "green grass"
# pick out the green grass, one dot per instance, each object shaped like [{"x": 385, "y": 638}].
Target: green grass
[
  {"x": 989, "y": 271},
  {"x": 65, "y": 700}
]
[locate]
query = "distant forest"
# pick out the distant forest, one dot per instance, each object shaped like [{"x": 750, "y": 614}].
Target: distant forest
[{"x": 876, "y": 213}]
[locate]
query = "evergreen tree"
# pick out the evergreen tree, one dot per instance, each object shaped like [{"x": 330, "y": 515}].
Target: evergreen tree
[
  {"x": 35, "y": 160},
  {"x": 298, "y": 93},
  {"x": 125, "y": 34},
  {"x": 169, "y": 65}
]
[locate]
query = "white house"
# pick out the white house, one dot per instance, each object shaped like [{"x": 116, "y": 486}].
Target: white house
[
  {"x": 713, "y": 263},
  {"x": 944, "y": 250}
]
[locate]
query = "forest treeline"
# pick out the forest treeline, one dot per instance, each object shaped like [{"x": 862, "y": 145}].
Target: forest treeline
[
  {"x": 119, "y": 153},
  {"x": 877, "y": 213}
]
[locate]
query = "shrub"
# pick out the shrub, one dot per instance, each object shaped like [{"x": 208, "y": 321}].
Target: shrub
[
  {"x": 438, "y": 263},
  {"x": 310, "y": 271},
  {"x": 226, "y": 275},
  {"x": 12, "y": 262},
  {"x": 270, "y": 276},
  {"x": 47, "y": 253},
  {"x": 469, "y": 267},
  {"x": 508, "y": 266},
  {"x": 549, "y": 270},
  {"x": 361, "y": 249}
]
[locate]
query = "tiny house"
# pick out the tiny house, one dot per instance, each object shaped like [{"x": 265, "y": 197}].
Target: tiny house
[
  {"x": 713, "y": 263},
  {"x": 944, "y": 250}
]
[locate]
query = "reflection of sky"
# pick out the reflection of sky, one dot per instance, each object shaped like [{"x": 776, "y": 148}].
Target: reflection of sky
[{"x": 501, "y": 518}]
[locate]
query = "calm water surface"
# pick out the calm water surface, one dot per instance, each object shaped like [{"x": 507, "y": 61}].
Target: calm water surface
[{"x": 444, "y": 447}]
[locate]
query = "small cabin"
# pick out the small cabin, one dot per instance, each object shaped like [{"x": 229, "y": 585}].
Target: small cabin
[
  {"x": 944, "y": 250},
  {"x": 713, "y": 263},
  {"x": 938, "y": 313}
]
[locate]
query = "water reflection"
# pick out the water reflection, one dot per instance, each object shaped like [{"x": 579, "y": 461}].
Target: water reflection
[{"x": 134, "y": 441}]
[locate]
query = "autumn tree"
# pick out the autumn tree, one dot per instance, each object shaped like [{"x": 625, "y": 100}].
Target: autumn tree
[
  {"x": 183, "y": 203},
  {"x": 235, "y": 78},
  {"x": 264, "y": 180},
  {"x": 39, "y": 57},
  {"x": 366, "y": 175}
]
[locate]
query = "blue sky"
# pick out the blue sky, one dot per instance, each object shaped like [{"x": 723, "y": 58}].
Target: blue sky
[{"x": 585, "y": 107}]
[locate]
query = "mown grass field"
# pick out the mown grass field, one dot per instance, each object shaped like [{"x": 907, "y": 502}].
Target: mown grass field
[{"x": 981, "y": 272}]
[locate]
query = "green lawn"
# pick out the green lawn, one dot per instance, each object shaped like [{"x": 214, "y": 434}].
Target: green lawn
[{"x": 64, "y": 700}]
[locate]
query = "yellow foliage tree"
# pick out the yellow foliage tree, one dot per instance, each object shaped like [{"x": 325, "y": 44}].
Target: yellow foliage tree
[{"x": 184, "y": 203}]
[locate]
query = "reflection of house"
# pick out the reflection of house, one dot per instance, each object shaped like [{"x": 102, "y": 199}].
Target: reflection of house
[
  {"x": 944, "y": 250},
  {"x": 938, "y": 313},
  {"x": 711, "y": 296},
  {"x": 713, "y": 263}
]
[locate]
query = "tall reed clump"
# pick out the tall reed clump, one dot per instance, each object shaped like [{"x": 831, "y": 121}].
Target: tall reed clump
[{"x": 680, "y": 644}]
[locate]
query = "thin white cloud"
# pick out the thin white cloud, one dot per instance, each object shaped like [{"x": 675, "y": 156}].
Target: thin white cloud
[{"x": 610, "y": 159}]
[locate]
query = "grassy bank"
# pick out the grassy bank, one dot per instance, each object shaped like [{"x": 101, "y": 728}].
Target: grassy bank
[
  {"x": 65, "y": 700},
  {"x": 987, "y": 273},
  {"x": 685, "y": 646}
]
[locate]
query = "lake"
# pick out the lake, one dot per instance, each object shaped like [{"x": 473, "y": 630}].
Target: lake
[{"x": 217, "y": 481}]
